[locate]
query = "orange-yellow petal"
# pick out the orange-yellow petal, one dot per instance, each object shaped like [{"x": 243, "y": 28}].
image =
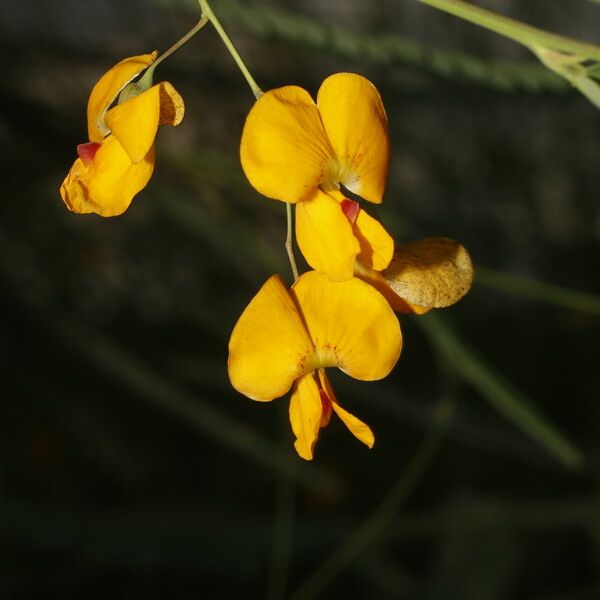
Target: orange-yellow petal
[
  {"x": 356, "y": 124},
  {"x": 284, "y": 150},
  {"x": 108, "y": 88},
  {"x": 325, "y": 236},
  {"x": 306, "y": 411},
  {"x": 108, "y": 183},
  {"x": 135, "y": 122},
  {"x": 358, "y": 429},
  {"x": 351, "y": 325},
  {"x": 269, "y": 345},
  {"x": 430, "y": 273},
  {"x": 376, "y": 244}
]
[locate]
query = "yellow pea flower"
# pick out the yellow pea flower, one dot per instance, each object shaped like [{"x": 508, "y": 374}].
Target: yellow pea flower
[
  {"x": 118, "y": 161},
  {"x": 429, "y": 273},
  {"x": 287, "y": 338},
  {"x": 302, "y": 152}
]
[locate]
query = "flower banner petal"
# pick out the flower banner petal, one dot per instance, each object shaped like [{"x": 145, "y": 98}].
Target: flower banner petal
[
  {"x": 107, "y": 89},
  {"x": 430, "y": 273},
  {"x": 325, "y": 236},
  {"x": 269, "y": 344},
  {"x": 376, "y": 244},
  {"x": 306, "y": 411},
  {"x": 284, "y": 150},
  {"x": 356, "y": 124},
  {"x": 351, "y": 325}
]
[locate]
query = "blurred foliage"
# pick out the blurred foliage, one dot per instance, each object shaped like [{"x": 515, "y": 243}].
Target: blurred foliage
[{"x": 130, "y": 467}]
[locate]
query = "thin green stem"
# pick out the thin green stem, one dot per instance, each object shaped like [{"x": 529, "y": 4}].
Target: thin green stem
[
  {"x": 376, "y": 524},
  {"x": 207, "y": 11},
  {"x": 520, "y": 32},
  {"x": 289, "y": 240},
  {"x": 184, "y": 40},
  {"x": 507, "y": 400}
]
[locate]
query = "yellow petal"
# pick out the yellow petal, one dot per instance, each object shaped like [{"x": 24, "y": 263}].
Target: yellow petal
[
  {"x": 284, "y": 150},
  {"x": 108, "y": 184},
  {"x": 108, "y": 88},
  {"x": 430, "y": 273},
  {"x": 325, "y": 236},
  {"x": 359, "y": 429},
  {"x": 73, "y": 190},
  {"x": 351, "y": 325},
  {"x": 135, "y": 122},
  {"x": 376, "y": 244},
  {"x": 356, "y": 124},
  {"x": 306, "y": 410},
  {"x": 114, "y": 180},
  {"x": 269, "y": 345}
]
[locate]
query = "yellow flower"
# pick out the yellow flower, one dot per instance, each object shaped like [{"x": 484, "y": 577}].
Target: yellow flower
[
  {"x": 118, "y": 160},
  {"x": 302, "y": 152},
  {"x": 430, "y": 273},
  {"x": 286, "y": 339}
]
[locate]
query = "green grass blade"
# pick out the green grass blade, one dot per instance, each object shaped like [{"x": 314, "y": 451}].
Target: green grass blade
[
  {"x": 538, "y": 290},
  {"x": 511, "y": 403}
]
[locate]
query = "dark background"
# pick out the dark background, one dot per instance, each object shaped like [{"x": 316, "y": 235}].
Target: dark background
[{"x": 130, "y": 468}]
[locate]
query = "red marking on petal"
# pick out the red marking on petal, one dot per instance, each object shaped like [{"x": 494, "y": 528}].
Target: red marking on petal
[
  {"x": 327, "y": 408},
  {"x": 350, "y": 208},
  {"x": 87, "y": 152}
]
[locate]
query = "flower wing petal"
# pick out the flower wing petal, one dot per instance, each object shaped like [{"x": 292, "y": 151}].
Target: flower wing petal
[
  {"x": 376, "y": 244},
  {"x": 351, "y": 325},
  {"x": 284, "y": 150},
  {"x": 135, "y": 123},
  {"x": 325, "y": 236},
  {"x": 430, "y": 273},
  {"x": 357, "y": 428},
  {"x": 306, "y": 411},
  {"x": 115, "y": 180},
  {"x": 356, "y": 124},
  {"x": 269, "y": 344},
  {"x": 107, "y": 89},
  {"x": 106, "y": 186}
]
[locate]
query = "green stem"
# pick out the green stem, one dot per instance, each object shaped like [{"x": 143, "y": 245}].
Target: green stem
[
  {"x": 210, "y": 15},
  {"x": 184, "y": 40},
  {"x": 520, "y": 32},
  {"x": 289, "y": 240}
]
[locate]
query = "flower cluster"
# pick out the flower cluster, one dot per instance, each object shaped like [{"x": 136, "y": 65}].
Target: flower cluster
[{"x": 327, "y": 157}]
